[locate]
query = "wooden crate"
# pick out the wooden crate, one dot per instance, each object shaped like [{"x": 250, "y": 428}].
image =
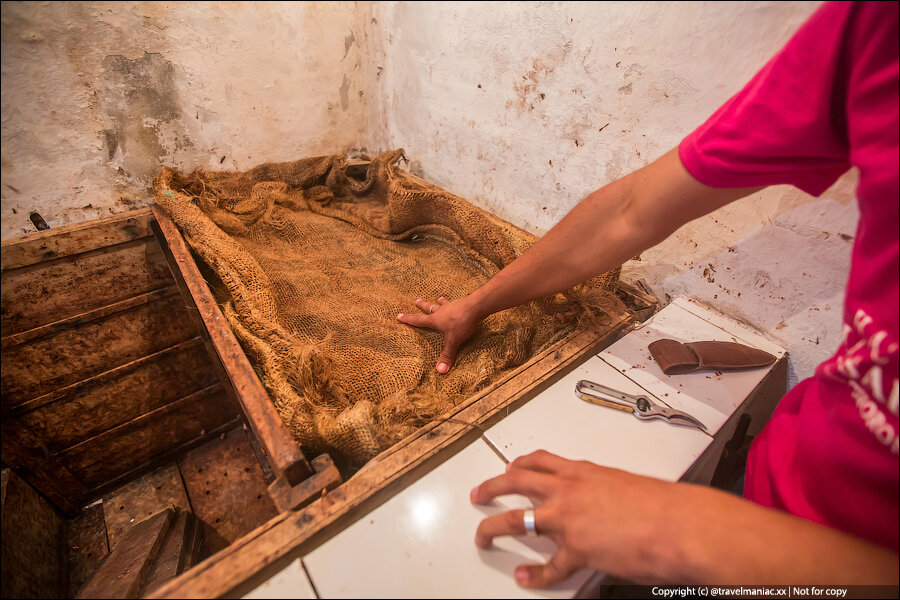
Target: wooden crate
[
  {"x": 330, "y": 506},
  {"x": 104, "y": 372}
]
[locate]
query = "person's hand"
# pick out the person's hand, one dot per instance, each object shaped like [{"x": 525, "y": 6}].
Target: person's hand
[
  {"x": 598, "y": 517},
  {"x": 456, "y": 320}
]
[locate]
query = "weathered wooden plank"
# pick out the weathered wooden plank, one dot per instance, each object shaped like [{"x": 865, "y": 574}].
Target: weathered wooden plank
[
  {"x": 161, "y": 459},
  {"x": 237, "y": 374},
  {"x": 125, "y": 571},
  {"x": 50, "y": 291},
  {"x": 24, "y": 452},
  {"x": 178, "y": 553},
  {"x": 87, "y": 546},
  {"x": 15, "y": 339},
  {"x": 31, "y": 528},
  {"x": 142, "y": 498},
  {"x": 83, "y": 411},
  {"x": 227, "y": 489},
  {"x": 386, "y": 474},
  {"x": 55, "y": 243},
  {"x": 103, "y": 458}
]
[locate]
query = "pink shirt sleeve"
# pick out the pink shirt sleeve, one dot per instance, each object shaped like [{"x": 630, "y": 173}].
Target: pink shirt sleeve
[{"x": 787, "y": 125}]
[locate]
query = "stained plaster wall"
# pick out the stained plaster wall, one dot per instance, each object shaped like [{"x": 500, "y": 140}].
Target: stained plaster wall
[
  {"x": 97, "y": 95},
  {"x": 523, "y": 108}
]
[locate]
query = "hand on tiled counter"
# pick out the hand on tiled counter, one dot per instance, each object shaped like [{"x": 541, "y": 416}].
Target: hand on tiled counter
[{"x": 421, "y": 543}]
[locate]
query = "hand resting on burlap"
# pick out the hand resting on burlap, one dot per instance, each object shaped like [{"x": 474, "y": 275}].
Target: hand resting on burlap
[{"x": 456, "y": 320}]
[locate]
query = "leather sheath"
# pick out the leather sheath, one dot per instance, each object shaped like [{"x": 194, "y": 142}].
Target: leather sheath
[{"x": 675, "y": 358}]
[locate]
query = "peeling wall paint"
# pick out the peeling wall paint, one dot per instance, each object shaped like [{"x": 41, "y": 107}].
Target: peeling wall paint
[
  {"x": 526, "y": 109},
  {"x": 97, "y": 95},
  {"x": 522, "y": 108}
]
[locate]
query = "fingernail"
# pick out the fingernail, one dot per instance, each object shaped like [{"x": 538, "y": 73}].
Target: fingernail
[
  {"x": 521, "y": 575},
  {"x": 443, "y": 367},
  {"x": 473, "y": 493},
  {"x": 508, "y": 466},
  {"x": 400, "y": 316}
]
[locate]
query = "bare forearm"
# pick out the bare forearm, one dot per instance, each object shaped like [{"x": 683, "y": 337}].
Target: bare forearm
[
  {"x": 604, "y": 230},
  {"x": 729, "y": 540},
  {"x": 591, "y": 239}
]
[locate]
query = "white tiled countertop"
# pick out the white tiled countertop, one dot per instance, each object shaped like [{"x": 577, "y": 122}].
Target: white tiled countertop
[{"x": 420, "y": 543}]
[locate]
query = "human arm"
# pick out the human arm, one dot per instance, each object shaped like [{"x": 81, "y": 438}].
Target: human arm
[
  {"x": 648, "y": 530},
  {"x": 604, "y": 230}
]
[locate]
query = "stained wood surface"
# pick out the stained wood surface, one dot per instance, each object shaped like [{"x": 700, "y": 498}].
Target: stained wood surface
[
  {"x": 87, "y": 546},
  {"x": 32, "y": 538},
  {"x": 283, "y": 453},
  {"x": 46, "y": 292},
  {"x": 74, "y": 239},
  {"x": 326, "y": 478},
  {"x": 300, "y": 531},
  {"x": 72, "y": 351},
  {"x": 85, "y": 410},
  {"x": 226, "y": 488},
  {"x": 139, "y": 500},
  {"x": 25, "y": 453},
  {"x": 97, "y": 345},
  {"x": 100, "y": 459},
  {"x": 178, "y": 554},
  {"x": 123, "y": 574}
]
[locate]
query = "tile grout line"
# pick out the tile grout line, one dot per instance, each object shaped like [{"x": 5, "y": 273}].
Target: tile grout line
[
  {"x": 309, "y": 578},
  {"x": 494, "y": 447}
]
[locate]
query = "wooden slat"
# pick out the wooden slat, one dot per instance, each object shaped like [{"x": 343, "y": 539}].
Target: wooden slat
[
  {"x": 54, "y": 290},
  {"x": 125, "y": 571},
  {"x": 40, "y": 371},
  {"x": 284, "y": 454},
  {"x": 55, "y": 243},
  {"x": 178, "y": 553},
  {"x": 32, "y": 560},
  {"x": 142, "y": 498},
  {"x": 23, "y": 451},
  {"x": 76, "y": 389},
  {"x": 100, "y": 459},
  {"x": 87, "y": 546},
  {"x": 163, "y": 458},
  {"x": 92, "y": 315},
  {"x": 226, "y": 488},
  {"x": 388, "y": 473},
  {"x": 108, "y": 400}
]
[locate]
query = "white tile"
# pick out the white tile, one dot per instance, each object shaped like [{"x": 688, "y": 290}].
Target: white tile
[
  {"x": 289, "y": 583},
  {"x": 742, "y": 332},
  {"x": 707, "y": 395},
  {"x": 559, "y": 421},
  {"x": 421, "y": 543}
]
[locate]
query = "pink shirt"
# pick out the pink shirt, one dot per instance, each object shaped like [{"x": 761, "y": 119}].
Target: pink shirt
[{"x": 828, "y": 101}]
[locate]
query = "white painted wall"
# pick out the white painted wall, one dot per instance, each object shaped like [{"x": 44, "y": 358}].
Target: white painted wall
[{"x": 523, "y": 108}]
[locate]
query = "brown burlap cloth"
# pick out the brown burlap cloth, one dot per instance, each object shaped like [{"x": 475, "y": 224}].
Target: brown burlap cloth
[{"x": 313, "y": 268}]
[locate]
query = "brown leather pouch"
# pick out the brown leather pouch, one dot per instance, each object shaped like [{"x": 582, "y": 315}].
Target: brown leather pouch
[{"x": 675, "y": 358}]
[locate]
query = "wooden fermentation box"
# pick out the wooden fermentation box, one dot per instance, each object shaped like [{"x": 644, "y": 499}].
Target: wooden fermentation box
[
  {"x": 117, "y": 359},
  {"x": 297, "y": 480}
]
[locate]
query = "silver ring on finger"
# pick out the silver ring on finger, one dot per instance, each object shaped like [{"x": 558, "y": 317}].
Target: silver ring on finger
[
  {"x": 431, "y": 310},
  {"x": 529, "y": 523}
]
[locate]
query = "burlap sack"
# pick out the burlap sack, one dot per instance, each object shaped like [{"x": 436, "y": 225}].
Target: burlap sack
[{"x": 312, "y": 267}]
